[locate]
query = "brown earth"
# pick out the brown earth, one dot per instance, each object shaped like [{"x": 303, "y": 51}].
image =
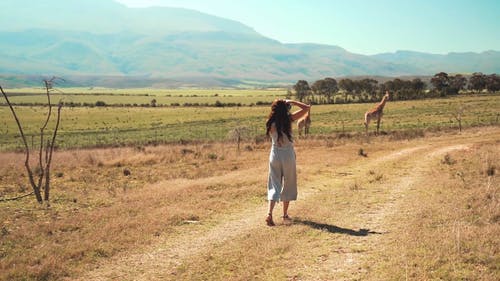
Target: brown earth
[{"x": 345, "y": 219}]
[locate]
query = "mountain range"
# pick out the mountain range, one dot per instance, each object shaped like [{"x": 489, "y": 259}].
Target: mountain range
[{"x": 102, "y": 41}]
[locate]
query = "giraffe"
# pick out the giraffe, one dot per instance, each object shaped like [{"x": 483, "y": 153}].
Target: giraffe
[
  {"x": 304, "y": 123},
  {"x": 376, "y": 112}
]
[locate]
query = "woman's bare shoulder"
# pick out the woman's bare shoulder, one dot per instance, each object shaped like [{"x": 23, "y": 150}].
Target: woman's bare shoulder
[{"x": 272, "y": 129}]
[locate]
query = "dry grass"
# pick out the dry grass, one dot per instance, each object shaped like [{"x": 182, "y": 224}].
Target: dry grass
[
  {"x": 451, "y": 222},
  {"x": 97, "y": 211},
  {"x": 345, "y": 219}
]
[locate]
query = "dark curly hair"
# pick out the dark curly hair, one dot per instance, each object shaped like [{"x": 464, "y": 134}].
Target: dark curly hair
[{"x": 280, "y": 115}]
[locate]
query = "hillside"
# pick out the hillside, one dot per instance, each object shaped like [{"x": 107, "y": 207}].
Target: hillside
[
  {"x": 104, "y": 38},
  {"x": 469, "y": 62}
]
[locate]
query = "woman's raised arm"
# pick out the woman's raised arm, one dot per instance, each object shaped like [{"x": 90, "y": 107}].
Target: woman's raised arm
[{"x": 304, "y": 109}]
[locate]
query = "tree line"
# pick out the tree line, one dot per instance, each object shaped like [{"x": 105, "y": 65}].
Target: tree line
[{"x": 329, "y": 90}]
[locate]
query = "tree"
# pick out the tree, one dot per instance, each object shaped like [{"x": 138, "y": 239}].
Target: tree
[
  {"x": 45, "y": 150},
  {"x": 456, "y": 84},
  {"x": 302, "y": 89},
  {"x": 477, "y": 82},
  {"x": 347, "y": 85},
  {"x": 238, "y": 134},
  {"x": 418, "y": 86},
  {"x": 317, "y": 87},
  {"x": 493, "y": 83},
  {"x": 459, "y": 112},
  {"x": 369, "y": 87},
  {"x": 386, "y": 86},
  {"x": 325, "y": 87},
  {"x": 357, "y": 89},
  {"x": 330, "y": 88},
  {"x": 441, "y": 82}
]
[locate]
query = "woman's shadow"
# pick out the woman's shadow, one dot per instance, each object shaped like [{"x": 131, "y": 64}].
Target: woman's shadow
[{"x": 336, "y": 229}]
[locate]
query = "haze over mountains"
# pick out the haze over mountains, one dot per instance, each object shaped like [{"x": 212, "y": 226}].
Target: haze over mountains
[{"x": 73, "y": 38}]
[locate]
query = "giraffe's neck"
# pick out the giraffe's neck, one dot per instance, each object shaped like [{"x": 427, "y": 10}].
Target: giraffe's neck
[{"x": 382, "y": 103}]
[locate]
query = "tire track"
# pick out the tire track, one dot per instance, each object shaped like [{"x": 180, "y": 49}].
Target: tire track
[
  {"x": 351, "y": 262},
  {"x": 159, "y": 261}
]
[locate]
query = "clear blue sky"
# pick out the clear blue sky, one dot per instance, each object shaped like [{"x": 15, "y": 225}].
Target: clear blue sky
[{"x": 362, "y": 26}]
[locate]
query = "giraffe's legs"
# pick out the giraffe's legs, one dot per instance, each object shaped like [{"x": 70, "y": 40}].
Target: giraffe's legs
[
  {"x": 378, "y": 124},
  {"x": 367, "y": 121}
]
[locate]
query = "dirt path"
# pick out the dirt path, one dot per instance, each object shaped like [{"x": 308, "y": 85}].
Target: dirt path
[
  {"x": 159, "y": 261},
  {"x": 347, "y": 265}
]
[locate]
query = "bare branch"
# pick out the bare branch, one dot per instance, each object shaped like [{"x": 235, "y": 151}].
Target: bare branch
[
  {"x": 44, "y": 150},
  {"x": 27, "y": 151},
  {"x": 16, "y": 198},
  {"x": 49, "y": 84},
  {"x": 50, "y": 151}
]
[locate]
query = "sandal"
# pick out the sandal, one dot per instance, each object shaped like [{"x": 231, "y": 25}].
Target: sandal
[
  {"x": 269, "y": 220},
  {"x": 286, "y": 219}
]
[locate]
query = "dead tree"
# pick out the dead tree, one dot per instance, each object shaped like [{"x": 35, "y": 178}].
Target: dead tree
[
  {"x": 45, "y": 150},
  {"x": 458, "y": 116},
  {"x": 238, "y": 134}
]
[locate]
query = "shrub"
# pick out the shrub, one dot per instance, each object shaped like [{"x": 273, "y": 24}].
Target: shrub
[
  {"x": 448, "y": 160},
  {"x": 490, "y": 171},
  {"x": 260, "y": 139},
  {"x": 185, "y": 151},
  {"x": 100, "y": 103}
]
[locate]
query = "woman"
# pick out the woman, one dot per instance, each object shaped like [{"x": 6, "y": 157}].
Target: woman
[{"x": 282, "y": 182}]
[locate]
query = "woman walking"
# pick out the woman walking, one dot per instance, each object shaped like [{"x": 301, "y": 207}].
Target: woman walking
[{"x": 282, "y": 181}]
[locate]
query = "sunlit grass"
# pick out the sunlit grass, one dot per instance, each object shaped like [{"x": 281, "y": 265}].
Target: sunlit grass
[
  {"x": 99, "y": 212},
  {"x": 449, "y": 223},
  {"x": 142, "y": 97},
  {"x": 110, "y": 126}
]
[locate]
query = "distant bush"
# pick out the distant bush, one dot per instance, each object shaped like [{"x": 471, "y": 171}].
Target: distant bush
[
  {"x": 262, "y": 103},
  {"x": 100, "y": 103}
]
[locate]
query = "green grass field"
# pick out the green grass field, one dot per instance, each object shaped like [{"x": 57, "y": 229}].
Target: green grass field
[
  {"x": 111, "y": 126},
  {"x": 163, "y": 97}
]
